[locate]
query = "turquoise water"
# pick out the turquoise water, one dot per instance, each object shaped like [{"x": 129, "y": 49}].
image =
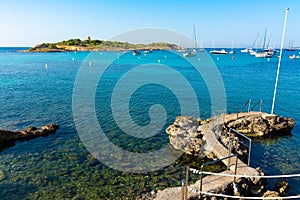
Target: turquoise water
[{"x": 59, "y": 166}]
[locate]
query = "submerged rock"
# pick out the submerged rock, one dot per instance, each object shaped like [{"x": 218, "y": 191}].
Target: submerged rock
[
  {"x": 2, "y": 174},
  {"x": 8, "y": 138}
]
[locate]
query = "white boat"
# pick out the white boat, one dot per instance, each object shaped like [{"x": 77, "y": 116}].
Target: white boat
[
  {"x": 201, "y": 49},
  {"x": 147, "y": 51},
  {"x": 218, "y": 51},
  {"x": 190, "y": 53},
  {"x": 181, "y": 49},
  {"x": 294, "y": 56},
  {"x": 232, "y": 50},
  {"x": 214, "y": 51},
  {"x": 250, "y": 50},
  {"x": 136, "y": 52},
  {"x": 265, "y": 53},
  {"x": 247, "y": 50}
]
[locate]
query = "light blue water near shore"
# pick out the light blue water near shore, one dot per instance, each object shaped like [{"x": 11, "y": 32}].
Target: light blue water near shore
[{"x": 59, "y": 166}]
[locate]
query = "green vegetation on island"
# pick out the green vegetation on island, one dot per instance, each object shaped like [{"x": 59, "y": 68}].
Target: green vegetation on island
[{"x": 97, "y": 45}]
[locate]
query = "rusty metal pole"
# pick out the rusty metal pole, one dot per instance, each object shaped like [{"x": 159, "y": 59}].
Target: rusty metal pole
[
  {"x": 200, "y": 189},
  {"x": 186, "y": 182},
  {"x": 236, "y": 163},
  {"x": 182, "y": 189}
]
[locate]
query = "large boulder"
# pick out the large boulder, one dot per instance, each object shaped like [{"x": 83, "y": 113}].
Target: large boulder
[{"x": 184, "y": 134}]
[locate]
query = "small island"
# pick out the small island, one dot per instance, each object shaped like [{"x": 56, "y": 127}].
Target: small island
[{"x": 97, "y": 45}]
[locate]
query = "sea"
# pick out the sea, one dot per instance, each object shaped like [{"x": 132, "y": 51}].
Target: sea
[{"x": 38, "y": 89}]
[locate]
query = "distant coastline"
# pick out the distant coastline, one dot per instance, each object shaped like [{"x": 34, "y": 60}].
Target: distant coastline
[{"x": 97, "y": 45}]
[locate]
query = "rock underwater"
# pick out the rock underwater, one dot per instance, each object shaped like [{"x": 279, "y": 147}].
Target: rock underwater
[{"x": 8, "y": 138}]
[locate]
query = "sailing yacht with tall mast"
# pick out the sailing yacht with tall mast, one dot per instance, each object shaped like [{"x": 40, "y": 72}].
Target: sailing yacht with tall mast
[
  {"x": 290, "y": 48},
  {"x": 232, "y": 50},
  {"x": 251, "y": 50},
  {"x": 193, "y": 52},
  {"x": 265, "y": 52}
]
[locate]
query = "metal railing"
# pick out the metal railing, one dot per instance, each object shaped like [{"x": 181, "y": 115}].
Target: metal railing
[
  {"x": 213, "y": 162},
  {"x": 249, "y": 107},
  {"x": 245, "y": 176},
  {"x": 247, "y": 138},
  {"x": 257, "y": 103}
]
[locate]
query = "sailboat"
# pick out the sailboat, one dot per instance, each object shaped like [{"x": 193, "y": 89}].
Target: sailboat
[
  {"x": 255, "y": 43},
  {"x": 265, "y": 53},
  {"x": 291, "y": 48},
  {"x": 250, "y": 50},
  {"x": 193, "y": 52},
  {"x": 232, "y": 50},
  {"x": 181, "y": 49},
  {"x": 201, "y": 49}
]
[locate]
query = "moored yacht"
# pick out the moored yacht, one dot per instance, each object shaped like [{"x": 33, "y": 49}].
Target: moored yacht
[
  {"x": 247, "y": 50},
  {"x": 218, "y": 51},
  {"x": 266, "y": 53}
]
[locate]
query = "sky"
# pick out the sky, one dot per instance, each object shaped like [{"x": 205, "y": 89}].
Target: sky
[{"x": 226, "y": 22}]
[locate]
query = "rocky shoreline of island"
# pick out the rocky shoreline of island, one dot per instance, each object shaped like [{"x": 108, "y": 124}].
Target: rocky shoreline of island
[{"x": 73, "y": 45}]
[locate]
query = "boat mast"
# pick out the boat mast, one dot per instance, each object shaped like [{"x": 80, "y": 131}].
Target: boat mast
[
  {"x": 279, "y": 61},
  {"x": 264, "y": 42},
  {"x": 194, "y": 36},
  {"x": 269, "y": 41},
  {"x": 255, "y": 41}
]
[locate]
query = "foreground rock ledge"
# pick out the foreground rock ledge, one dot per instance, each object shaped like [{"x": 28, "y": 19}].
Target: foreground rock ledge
[
  {"x": 190, "y": 135},
  {"x": 194, "y": 136},
  {"x": 8, "y": 138}
]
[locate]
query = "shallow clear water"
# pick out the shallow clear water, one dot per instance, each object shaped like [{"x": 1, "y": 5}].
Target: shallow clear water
[{"x": 59, "y": 166}]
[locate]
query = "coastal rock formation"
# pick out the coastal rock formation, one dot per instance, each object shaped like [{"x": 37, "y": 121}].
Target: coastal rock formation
[
  {"x": 8, "y": 138},
  {"x": 273, "y": 194},
  {"x": 262, "y": 125},
  {"x": 194, "y": 137},
  {"x": 189, "y": 135},
  {"x": 185, "y": 134}
]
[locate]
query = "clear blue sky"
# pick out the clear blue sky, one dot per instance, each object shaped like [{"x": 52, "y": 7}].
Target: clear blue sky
[{"x": 26, "y": 23}]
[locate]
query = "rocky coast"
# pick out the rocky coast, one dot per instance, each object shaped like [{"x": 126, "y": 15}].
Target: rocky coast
[
  {"x": 215, "y": 138},
  {"x": 8, "y": 138}
]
